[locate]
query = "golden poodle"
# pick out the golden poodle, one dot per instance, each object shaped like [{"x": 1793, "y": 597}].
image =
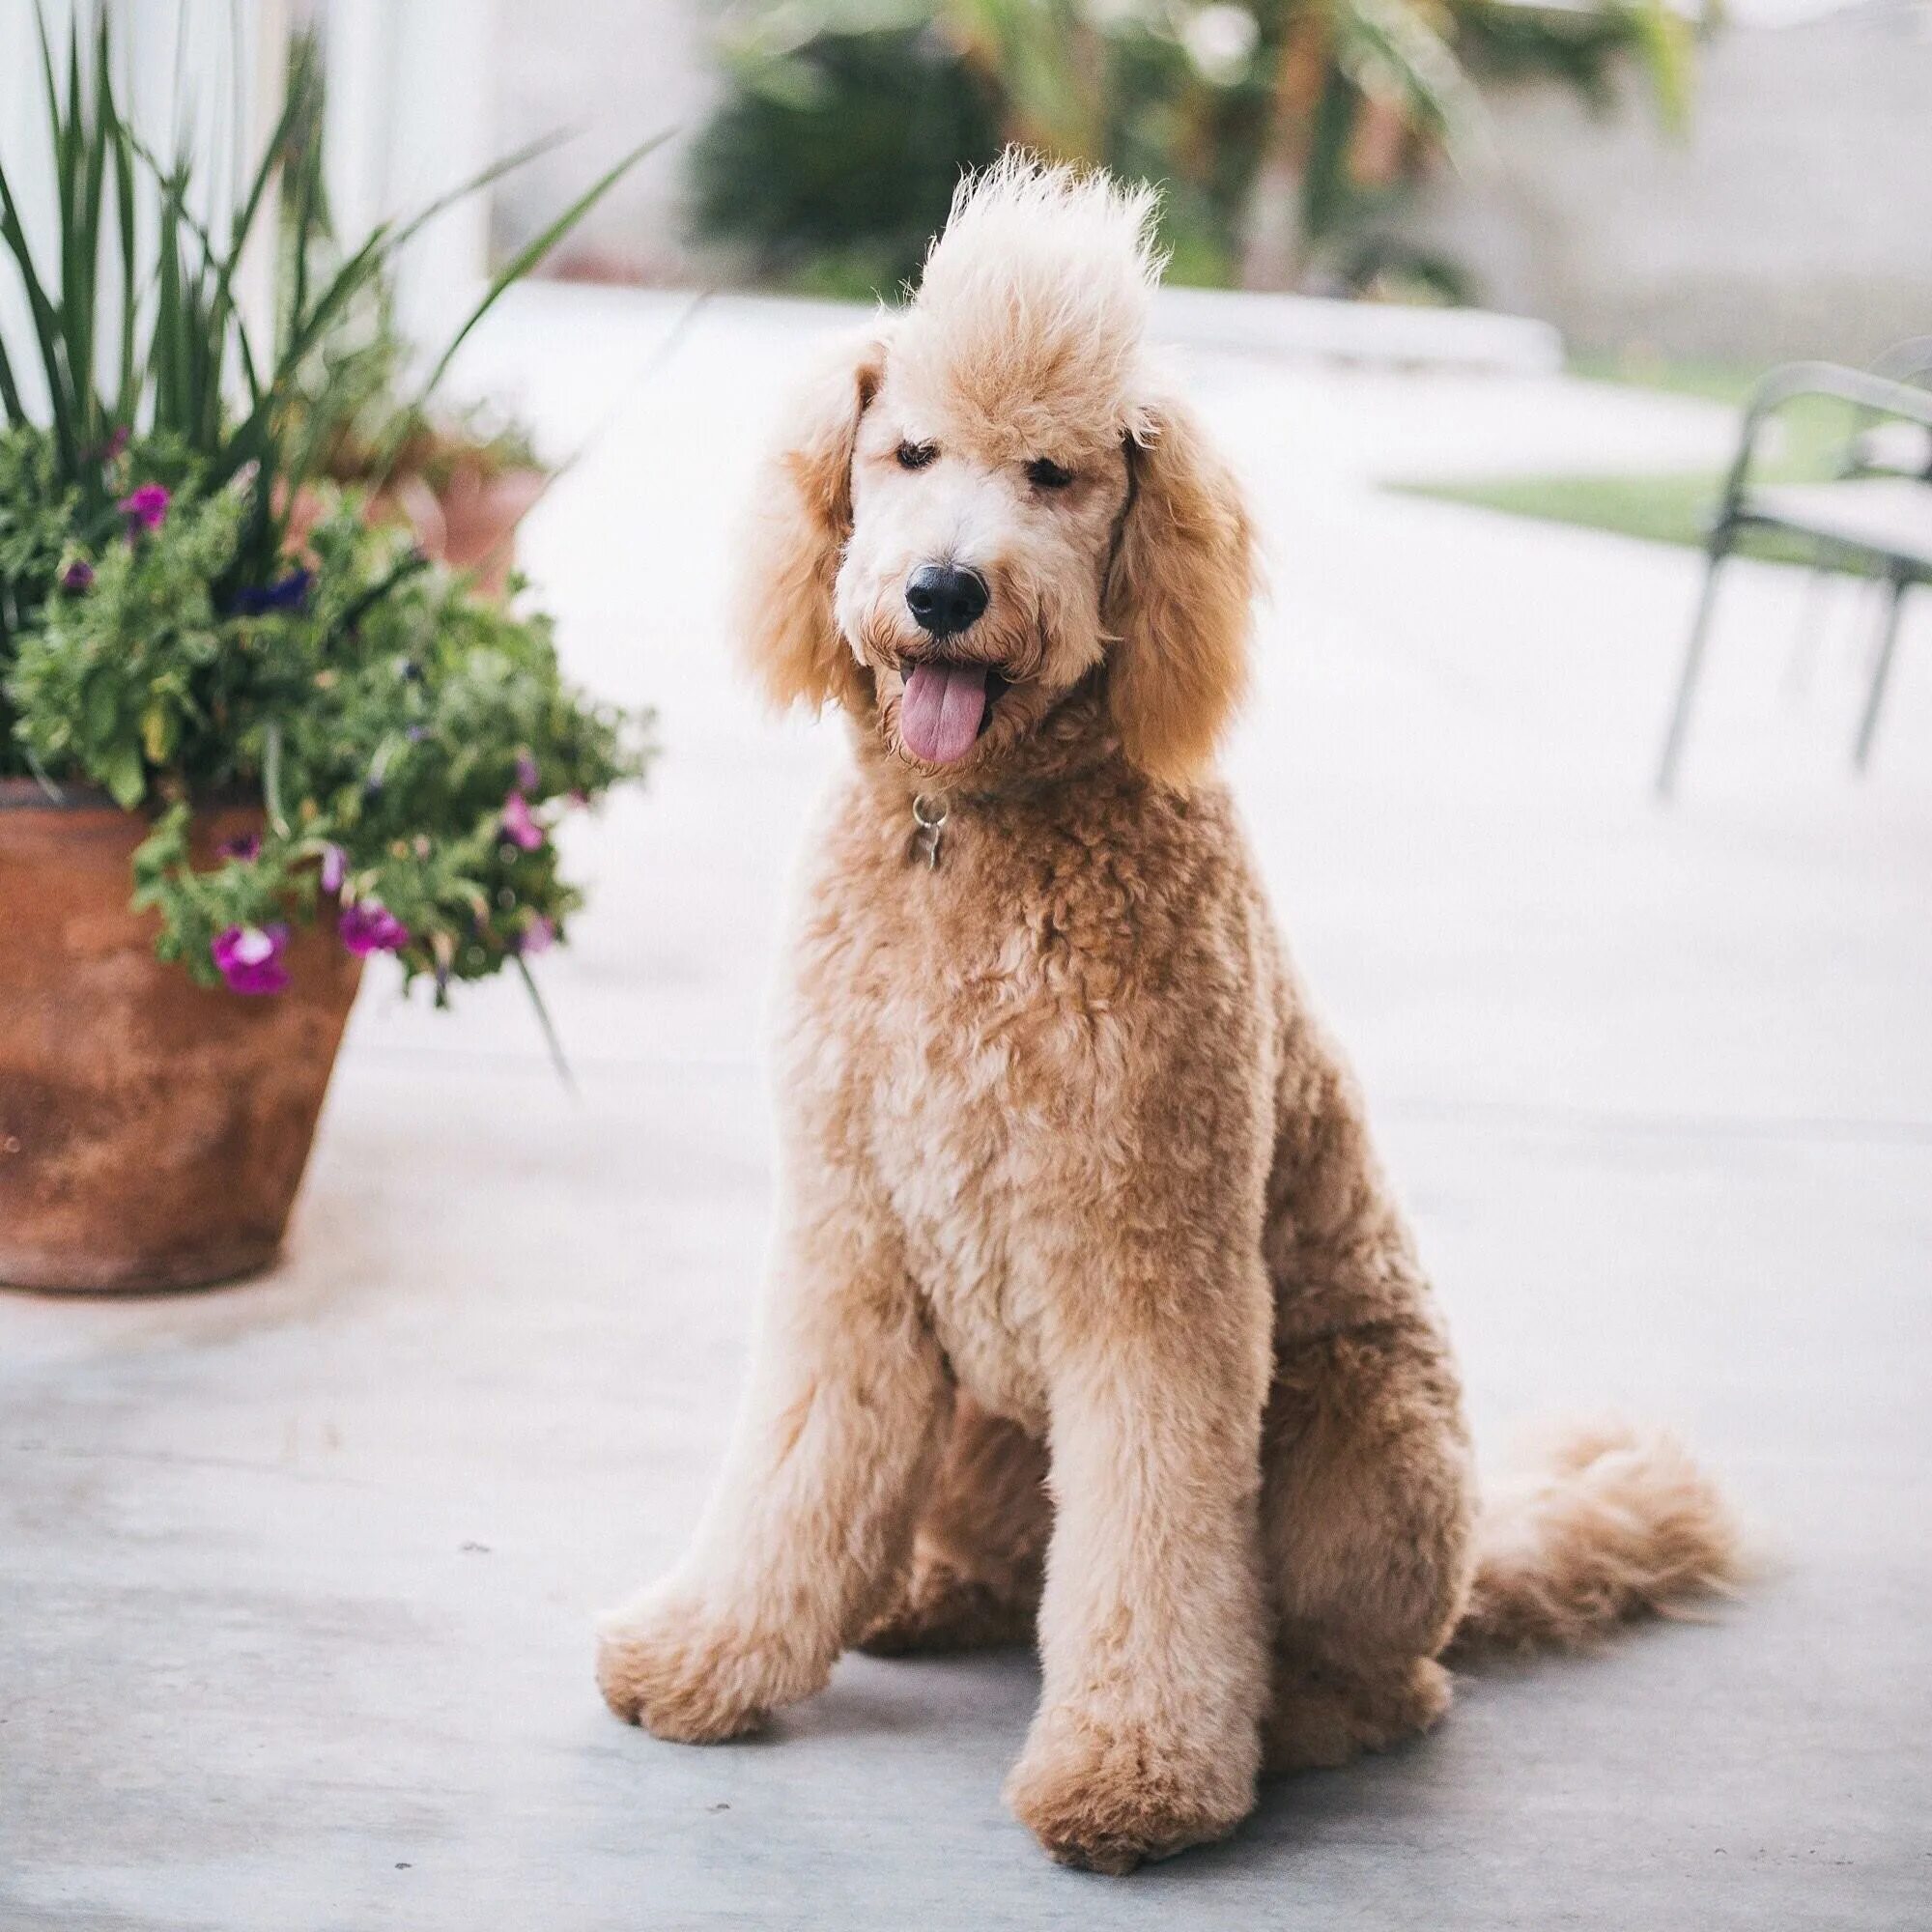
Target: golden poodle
[{"x": 1091, "y": 1314}]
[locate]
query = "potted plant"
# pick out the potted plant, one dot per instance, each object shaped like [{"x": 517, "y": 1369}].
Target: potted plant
[
  {"x": 238, "y": 756},
  {"x": 462, "y": 477},
  {"x": 475, "y": 480}
]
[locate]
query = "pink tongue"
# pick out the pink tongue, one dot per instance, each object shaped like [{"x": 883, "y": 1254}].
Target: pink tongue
[{"x": 940, "y": 713}]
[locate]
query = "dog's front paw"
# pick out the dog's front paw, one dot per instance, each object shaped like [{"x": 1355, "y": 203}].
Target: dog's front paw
[
  {"x": 689, "y": 1675},
  {"x": 1108, "y": 1794}
]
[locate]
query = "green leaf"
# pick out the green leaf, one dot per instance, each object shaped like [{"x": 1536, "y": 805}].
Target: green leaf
[
  {"x": 121, "y": 773},
  {"x": 10, "y": 393},
  {"x": 223, "y": 316},
  {"x": 1323, "y": 181},
  {"x": 46, "y": 322},
  {"x": 1665, "y": 43},
  {"x": 1399, "y": 38},
  {"x": 532, "y": 252},
  {"x": 547, "y": 1027},
  {"x": 481, "y": 178},
  {"x": 101, "y": 704},
  {"x": 120, "y": 146}
]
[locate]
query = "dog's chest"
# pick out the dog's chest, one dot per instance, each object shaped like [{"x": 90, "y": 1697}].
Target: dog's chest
[{"x": 968, "y": 1033}]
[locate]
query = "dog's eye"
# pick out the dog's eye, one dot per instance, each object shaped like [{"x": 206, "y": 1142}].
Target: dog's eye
[
  {"x": 916, "y": 455},
  {"x": 1046, "y": 474}
]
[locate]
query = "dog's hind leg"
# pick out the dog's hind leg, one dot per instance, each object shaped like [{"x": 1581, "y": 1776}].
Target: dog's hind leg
[
  {"x": 1366, "y": 1527},
  {"x": 1367, "y": 1533},
  {"x": 981, "y": 1547},
  {"x": 1367, "y": 1491}
]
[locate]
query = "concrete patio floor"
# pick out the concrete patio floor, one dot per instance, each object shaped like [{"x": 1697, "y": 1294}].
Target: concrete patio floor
[{"x": 297, "y": 1578}]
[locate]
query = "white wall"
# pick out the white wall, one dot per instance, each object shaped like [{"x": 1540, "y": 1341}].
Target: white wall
[
  {"x": 613, "y": 71},
  {"x": 1797, "y": 219},
  {"x": 411, "y": 113}
]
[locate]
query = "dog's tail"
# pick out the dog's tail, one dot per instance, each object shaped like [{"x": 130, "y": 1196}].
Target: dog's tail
[{"x": 1613, "y": 1524}]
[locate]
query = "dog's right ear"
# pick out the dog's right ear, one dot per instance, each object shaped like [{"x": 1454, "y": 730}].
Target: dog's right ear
[{"x": 801, "y": 520}]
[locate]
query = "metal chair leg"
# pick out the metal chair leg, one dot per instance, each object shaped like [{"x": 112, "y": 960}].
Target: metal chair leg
[
  {"x": 1881, "y": 672},
  {"x": 1693, "y": 658}
]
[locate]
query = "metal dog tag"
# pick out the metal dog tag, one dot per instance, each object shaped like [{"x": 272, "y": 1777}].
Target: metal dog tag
[{"x": 928, "y": 818}]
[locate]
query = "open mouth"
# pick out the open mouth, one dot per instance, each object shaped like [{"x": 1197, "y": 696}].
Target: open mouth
[{"x": 945, "y": 707}]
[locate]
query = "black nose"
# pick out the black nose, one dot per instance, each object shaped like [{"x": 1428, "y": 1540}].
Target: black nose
[{"x": 945, "y": 597}]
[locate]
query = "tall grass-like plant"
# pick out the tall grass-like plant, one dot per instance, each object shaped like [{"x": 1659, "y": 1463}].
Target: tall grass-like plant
[{"x": 161, "y": 347}]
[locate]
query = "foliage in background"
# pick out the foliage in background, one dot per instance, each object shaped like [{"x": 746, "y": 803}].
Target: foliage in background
[
  {"x": 825, "y": 162},
  {"x": 176, "y": 627},
  {"x": 1286, "y": 132}
]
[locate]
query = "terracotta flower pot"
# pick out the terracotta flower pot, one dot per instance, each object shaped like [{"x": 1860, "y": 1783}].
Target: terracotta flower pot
[
  {"x": 480, "y": 515},
  {"x": 153, "y": 1133},
  {"x": 469, "y": 524}
]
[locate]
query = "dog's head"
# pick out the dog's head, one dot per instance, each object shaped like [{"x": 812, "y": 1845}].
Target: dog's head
[{"x": 988, "y": 496}]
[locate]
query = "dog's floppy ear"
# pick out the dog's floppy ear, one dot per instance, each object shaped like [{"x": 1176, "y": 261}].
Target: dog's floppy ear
[
  {"x": 801, "y": 518},
  {"x": 1177, "y": 597}
]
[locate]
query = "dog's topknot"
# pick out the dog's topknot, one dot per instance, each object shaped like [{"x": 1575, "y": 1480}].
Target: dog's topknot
[{"x": 1031, "y": 309}]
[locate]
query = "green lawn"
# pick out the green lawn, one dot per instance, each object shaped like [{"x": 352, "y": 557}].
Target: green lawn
[{"x": 1674, "y": 507}]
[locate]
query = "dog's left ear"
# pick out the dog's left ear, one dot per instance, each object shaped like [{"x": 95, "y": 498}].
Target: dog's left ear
[
  {"x": 1177, "y": 598},
  {"x": 802, "y": 517}
]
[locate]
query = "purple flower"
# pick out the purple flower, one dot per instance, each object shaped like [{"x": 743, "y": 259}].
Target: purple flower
[
  {"x": 536, "y": 937},
  {"x": 334, "y": 867},
  {"x": 519, "y": 827},
  {"x": 371, "y": 928},
  {"x": 527, "y": 772},
  {"x": 244, "y": 848},
  {"x": 286, "y": 593},
  {"x": 147, "y": 508},
  {"x": 77, "y": 576},
  {"x": 250, "y": 957}
]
